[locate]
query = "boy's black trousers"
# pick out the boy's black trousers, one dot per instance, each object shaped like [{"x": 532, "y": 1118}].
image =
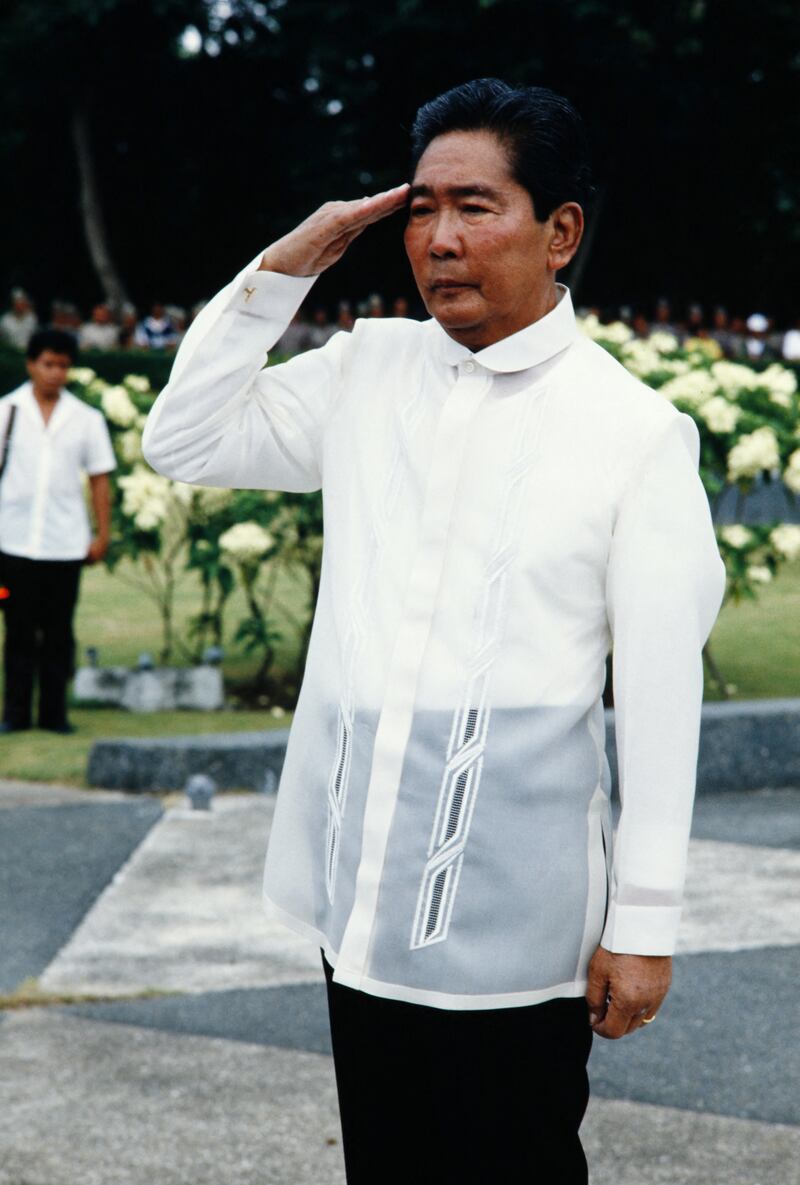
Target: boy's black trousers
[{"x": 39, "y": 642}]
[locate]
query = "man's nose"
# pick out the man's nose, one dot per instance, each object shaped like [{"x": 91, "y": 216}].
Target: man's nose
[{"x": 445, "y": 241}]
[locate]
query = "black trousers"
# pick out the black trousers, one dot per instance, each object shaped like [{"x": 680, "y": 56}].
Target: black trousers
[
  {"x": 430, "y": 1096},
  {"x": 38, "y": 637}
]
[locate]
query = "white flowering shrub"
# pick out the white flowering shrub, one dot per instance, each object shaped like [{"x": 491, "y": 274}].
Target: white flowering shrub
[{"x": 749, "y": 425}]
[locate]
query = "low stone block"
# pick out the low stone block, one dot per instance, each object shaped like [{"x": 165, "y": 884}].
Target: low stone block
[
  {"x": 747, "y": 745},
  {"x": 104, "y": 685},
  {"x": 235, "y": 760},
  {"x": 197, "y": 688},
  {"x": 744, "y": 745}
]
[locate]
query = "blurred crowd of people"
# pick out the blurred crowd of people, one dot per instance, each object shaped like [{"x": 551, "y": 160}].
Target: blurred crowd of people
[
  {"x": 748, "y": 338},
  {"x": 753, "y": 338},
  {"x": 161, "y": 329}
]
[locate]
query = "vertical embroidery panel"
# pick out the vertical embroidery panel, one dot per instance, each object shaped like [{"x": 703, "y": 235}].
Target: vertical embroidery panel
[
  {"x": 356, "y": 634},
  {"x": 467, "y": 744}
]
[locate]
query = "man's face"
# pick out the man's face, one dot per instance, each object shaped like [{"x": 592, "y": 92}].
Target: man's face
[
  {"x": 482, "y": 262},
  {"x": 48, "y": 372}
]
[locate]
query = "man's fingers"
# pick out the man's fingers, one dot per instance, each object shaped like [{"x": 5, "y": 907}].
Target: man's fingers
[
  {"x": 362, "y": 211},
  {"x": 616, "y": 1022},
  {"x": 596, "y": 995},
  {"x": 623, "y": 1017}
]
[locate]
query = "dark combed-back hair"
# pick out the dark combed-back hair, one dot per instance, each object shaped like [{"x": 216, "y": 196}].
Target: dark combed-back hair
[
  {"x": 543, "y": 134},
  {"x": 57, "y": 340}
]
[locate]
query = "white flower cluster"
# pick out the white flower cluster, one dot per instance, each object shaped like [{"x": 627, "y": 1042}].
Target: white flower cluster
[
  {"x": 785, "y": 538},
  {"x": 211, "y": 499},
  {"x": 719, "y": 415},
  {"x": 617, "y": 332},
  {"x": 663, "y": 343},
  {"x": 695, "y": 387},
  {"x": 733, "y": 377},
  {"x": 752, "y": 453},
  {"x": 246, "y": 543},
  {"x": 137, "y": 382},
  {"x": 202, "y": 501},
  {"x": 129, "y": 446},
  {"x": 791, "y": 474},
  {"x": 640, "y": 358},
  {"x": 81, "y": 374},
  {"x": 759, "y": 574},
  {"x": 145, "y": 497},
  {"x": 780, "y": 382},
  {"x": 736, "y": 536},
  {"x": 118, "y": 407}
]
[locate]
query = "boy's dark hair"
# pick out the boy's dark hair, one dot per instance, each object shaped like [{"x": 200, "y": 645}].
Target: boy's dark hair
[
  {"x": 57, "y": 340},
  {"x": 543, "y": 134}
]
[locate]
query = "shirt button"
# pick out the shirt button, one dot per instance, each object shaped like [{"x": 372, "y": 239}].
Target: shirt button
[{"x": 469, "y": 367}]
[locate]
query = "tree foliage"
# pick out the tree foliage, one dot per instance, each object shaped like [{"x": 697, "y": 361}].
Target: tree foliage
[{"x": 202, "y": 157}]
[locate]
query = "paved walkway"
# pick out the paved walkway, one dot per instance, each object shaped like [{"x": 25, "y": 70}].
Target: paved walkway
[{"x": 228, "y": 1078}]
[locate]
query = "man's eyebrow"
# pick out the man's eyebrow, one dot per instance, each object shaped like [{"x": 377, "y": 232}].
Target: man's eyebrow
[{"x": 474, "y": 189}]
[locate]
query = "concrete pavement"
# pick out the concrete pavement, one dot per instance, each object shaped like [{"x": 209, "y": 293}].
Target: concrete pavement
[{"x": 229, "y": 1078}]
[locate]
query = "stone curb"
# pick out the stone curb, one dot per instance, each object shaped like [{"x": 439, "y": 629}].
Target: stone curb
[
  {"x": 747, "y": 745},
  {"x": 235, "y": 760}
]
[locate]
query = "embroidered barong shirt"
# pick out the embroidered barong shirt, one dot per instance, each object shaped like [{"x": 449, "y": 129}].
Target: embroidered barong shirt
[{"x": 493, "y": 522}]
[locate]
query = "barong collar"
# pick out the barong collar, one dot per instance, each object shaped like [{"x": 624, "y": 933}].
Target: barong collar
[{"x": 519, "y": 351}]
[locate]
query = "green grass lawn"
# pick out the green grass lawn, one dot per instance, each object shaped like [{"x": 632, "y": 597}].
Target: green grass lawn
[
  {"x": 756, "y": 645},
  {"x": 38, "y": 756},
  {"x": 118, "y": 618}
]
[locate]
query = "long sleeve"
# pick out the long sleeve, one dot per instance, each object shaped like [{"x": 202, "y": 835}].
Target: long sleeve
[
  {"x": 665, "y": 583},
  {"x": 224, "y": 420}
]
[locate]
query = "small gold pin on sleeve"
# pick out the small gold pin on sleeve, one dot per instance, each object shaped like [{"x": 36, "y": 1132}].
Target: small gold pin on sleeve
[{"x": 248, "y": 292}]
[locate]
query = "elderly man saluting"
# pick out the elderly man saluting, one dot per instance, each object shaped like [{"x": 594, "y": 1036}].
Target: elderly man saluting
[{"x": 503, "y": 502}]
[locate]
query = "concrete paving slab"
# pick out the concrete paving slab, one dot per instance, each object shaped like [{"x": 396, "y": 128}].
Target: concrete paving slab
[
  {"x": 724, "y": 1041},
  {"x": 85, "y": 1103},
  {"x": 54, "y": 861},
  {"x": 185, "y": 913},
  {"x": 111, "y": 1105},
  {"x": 634, "y": 1144},
  {"x": 14, "y": 794},
  {"x": 740, "y": 896}
]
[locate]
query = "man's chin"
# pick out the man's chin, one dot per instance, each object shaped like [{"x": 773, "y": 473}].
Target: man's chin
[{"x": 463, "y": 311}]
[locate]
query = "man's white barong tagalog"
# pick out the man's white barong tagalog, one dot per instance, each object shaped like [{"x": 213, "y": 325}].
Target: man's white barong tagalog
[{"x": 494, "y": 521}]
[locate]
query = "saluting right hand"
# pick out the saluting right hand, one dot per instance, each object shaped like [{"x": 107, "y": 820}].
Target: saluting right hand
[{"x": 325, "y": 235}]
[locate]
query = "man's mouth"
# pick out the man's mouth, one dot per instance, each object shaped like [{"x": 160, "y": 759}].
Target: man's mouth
[{"x": 450, "y": 285}]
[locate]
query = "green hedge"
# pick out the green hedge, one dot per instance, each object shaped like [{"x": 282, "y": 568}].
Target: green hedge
[{"x": 111, "y": 365}]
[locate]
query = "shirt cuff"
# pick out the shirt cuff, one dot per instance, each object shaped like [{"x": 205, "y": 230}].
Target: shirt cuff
[
  {"x": 270, "y": 296},
  {"x": 641, "y": 929}
]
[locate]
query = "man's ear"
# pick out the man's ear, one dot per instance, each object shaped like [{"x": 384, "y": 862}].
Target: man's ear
[{"x": 567, "y": 231}]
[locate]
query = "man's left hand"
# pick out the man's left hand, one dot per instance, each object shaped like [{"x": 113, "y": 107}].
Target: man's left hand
[
  {"x": 97, "y": 550},
  {"x": 625, "y": 991}
]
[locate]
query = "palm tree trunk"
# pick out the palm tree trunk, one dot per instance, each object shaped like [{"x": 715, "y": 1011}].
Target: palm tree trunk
[{"x": 92, "y": 212}]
